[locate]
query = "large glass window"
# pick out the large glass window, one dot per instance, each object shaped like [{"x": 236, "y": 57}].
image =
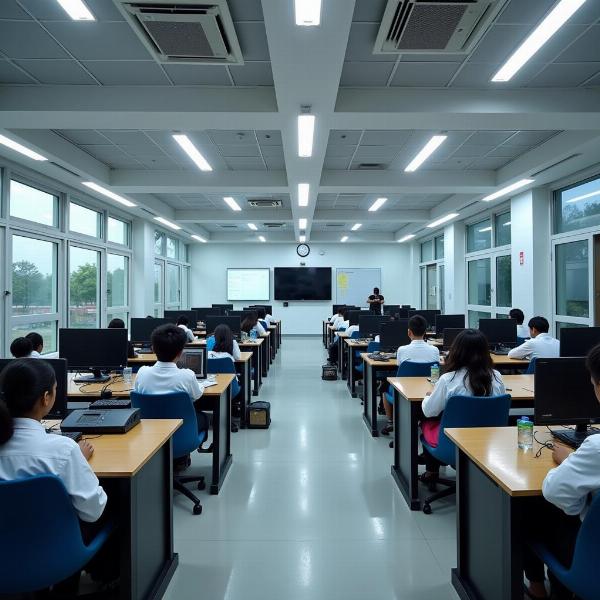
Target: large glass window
[
  {"x": 572, "y": 279},
  {"x": 173, "y": 283},
  {"x": 29, "y": 203},
  {"x": 84, "y": 287},
  {"x": 577, "y": 207},
  {"x": 503, "y": 281},
  {"x": 172, "y": 246},
  {"x": 427, "y": 251},
  {"x": 432, "y": 275},
  {"x": 480, "y": 282},
  {"x": 475, "y": 315},
  {"x": 503, "y": 233},
  {"x": 159, "y": 243},
  {"x": 158, "y": 288},
  {"x": 439, "y": 247},
  {"x": 118, "y": 231},
  {"x": 479, "y": 236},
  {"x": 85, "y": 220},
  {"x": 117, "y": 278}
]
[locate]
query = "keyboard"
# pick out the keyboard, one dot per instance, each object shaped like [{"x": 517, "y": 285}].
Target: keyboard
[
  {"x": 74, "y": 435},
  {"x": 572, "y": 438},
  {"x": 501, "y": 351},
  {"x": 111, "y": 403},
  {"x": 144, "y": 351}
]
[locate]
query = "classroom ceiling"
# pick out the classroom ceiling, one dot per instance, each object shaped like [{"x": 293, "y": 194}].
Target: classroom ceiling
[{"x": 93, "y": 99}]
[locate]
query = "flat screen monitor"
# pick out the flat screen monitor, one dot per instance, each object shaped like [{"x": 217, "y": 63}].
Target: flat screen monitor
[
  {"x": 393, "y": 334},
  {"x": 499, "y": 332},
  {"x": 141, "y": 329},
  {"x": 578, "y": 341},
  {"x": 450, "y": 335},
  {"x": 223, "y": 306},
  {"x": 428, "y": 315},
  {"x": 233, "y": 322},
  {"x": 194, "y": 359},
  {"x": 302, "y": 283},
  {"x": 59, "y": 410},
  {"x": 239, "y": 313},
  {"x": 94, "y": 350},
  {"x": 564, "y": 394},
  {"x": 390, "y": 309},
  {"x": 448, "y": 321},
  {"x": 192, "y": 316},
  {"x": 353, "y": 317},
  {"x": 368, "y": 325},
  {"x": 268, "y": 308},
  {"x": 203, "y": 311},
  {"x": 248, "y": 284}
]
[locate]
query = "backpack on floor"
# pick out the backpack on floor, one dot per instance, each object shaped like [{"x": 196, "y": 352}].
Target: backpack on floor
[
  {"x": 258, "y": 415},
  {"x": 329, "y": 372}
]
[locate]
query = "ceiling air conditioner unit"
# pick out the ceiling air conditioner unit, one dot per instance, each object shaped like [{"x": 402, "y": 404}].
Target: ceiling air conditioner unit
[
  {"x": 434, "y": 27},
  {"x": 186, "y": 31},
  {"x": 264, "y": 202}
]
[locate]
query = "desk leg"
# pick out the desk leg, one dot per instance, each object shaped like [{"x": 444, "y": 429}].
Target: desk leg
[
  {"x": 246, "y": 386},
  {"x": 264, "y": 348},
  {"x": 221, "y": 440},
  {"x": 258, "y": 351},
  {"x": 489, "y": 537},
  {"x": 340, "y": 360},
  {"x": 256, "y": 367},
  {"x": 370, "y": 402},
  {"x": 145, "y": 528},
  {"x": 406, "y": 449},
  {"x": 350, "y": 367},
  {"x": 324, "y": 334}
]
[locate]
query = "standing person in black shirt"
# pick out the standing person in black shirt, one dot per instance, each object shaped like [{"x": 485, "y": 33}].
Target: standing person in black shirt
[{"x": 375, "y": 301}]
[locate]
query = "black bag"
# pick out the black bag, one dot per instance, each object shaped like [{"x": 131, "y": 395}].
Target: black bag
[
  {"x": 258, "y": 415},
  {"x": 329, "y": 372}
]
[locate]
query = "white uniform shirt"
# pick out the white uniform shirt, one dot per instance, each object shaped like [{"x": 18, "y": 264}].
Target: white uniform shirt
[
  {"x": 270, "y": 319},
  {"x": 350, "y": 330},
  {"x": 418, "y": 351},
  {"x": 166, "y": 378},
  {"x": 523, "y": 331},
  {"x": 570, "y": 485},
  {"x": 35, "y": 354},
  {"x": 454, "y": 384},
  {"x": 542, "y": 346},
  {"x": 188, "y": 332},
  {"x": 336, "y": 319},
  {"x": 259, "y": 329},
  {"x": 237, "y": 355},
  {"x": 32, "y": 451},
  {"x": 341, "y": 324}
]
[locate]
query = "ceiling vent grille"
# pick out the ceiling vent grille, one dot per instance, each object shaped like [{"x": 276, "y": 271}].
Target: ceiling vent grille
[
  {"x": 430, "y": 26},
  {"x": 264, "y": 202},
  {"x": 334, "y": 225},
  {"x": 274, "y": 225},
  {"x": 185, "y": 31},
  {"x": 228, "y": 226},
  {"x": 371, "y": 167}
]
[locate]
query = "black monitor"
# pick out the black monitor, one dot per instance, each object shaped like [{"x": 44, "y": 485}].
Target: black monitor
[
  {"x": 141, "y": 329},
  {"x": 233, "y": 322},
  {"x": 448, "y": 321},
  {"x": 354, "y": 316},
  {"x": 268, "y": 308},
  {"x": 428, "y": 315},
  {"x": 336, "y": 308},
  {"x": 195, "y": 360},
  {"x": 499, "y": 332},
  {"x": 393, "y": 334},
  {"x": 450, "y": 334},
  {"x": 368, "y": 325},
  {"x": 223, "y": 306},
  {"x": 94, "y": 350},
  {"x": 578, "y": 341},
  {"x": 59, "y": 410},
  {"x": 203, "y": 311},
  {"x": 407, "y": 306},
  {"x": 192, "y": 316},
  {"x": 390, "y": 309},
  {"x": 564, "y": 394}
]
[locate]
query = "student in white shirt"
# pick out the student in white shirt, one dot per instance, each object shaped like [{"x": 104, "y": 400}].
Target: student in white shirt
[
  {"x": 183, "y": 322},
  {"x": 250, "y": 323},
  {"x": 418, "y": 351},
  {"x": 541, "y": 344},
  {"x": 516, "y": 314},
  {"x": 337, "y": 317},
  {"x": 225, "y": 346},
  {"x": 21, "y": 347},
  {"x": 341, "y": 324},
  {"x": 469, "y": 372},
  {"x": 568, "y": 490},
  {"x": 37, "y": 341}
]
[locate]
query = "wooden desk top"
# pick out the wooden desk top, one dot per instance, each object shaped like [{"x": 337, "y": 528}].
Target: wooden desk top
[
  {"x": 92, "y": 390},
  {"x": 151, "y": 358},
  {"x": 256, "y": 342},
  {"x": 392, "y": 363},
  {"x": 355, "y": 343},
  {"x": 245, "y": 357},
  {"x": 223, "y": 382},
  {"x": 494, "y": 450}
]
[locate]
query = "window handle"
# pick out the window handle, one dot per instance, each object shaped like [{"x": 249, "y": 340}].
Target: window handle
[{"x": 7, "y": 292}]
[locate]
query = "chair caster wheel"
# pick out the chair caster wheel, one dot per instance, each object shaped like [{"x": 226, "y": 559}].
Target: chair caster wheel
[
  {"x": 427, "y": 508},
  {"x": 197, "y": 509},
  {"x": 202, "y": 485}
]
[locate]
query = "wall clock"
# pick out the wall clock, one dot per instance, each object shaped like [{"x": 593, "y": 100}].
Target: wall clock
[{"x": 303, "y": 250}]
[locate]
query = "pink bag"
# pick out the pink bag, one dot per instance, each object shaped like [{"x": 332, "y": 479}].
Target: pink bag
[{"x": 431, "y": 431}]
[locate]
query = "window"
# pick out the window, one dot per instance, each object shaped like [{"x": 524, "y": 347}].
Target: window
[
  {"x": 172, "y": 247},
  {"x": 159, "y": 243},
  {"x": 427, "y": 251},
  {"x": 118, "y": 231},
  {"x": 158, "y": 288},
  {"x": 84, "y": 220},
  {"x": 572, "y": 279},
  {"x": 503, "y": 232},
  {"x": 432, "y": 273},
  {"x": 29, "y": 203},
  {"x": 479, "y": 236},
  {"x": 577, "y": 207},
  {"x": 480, "y": 282},
  {"x": 475, "y": 315},
  {"x": 503, "y": 281},
  {"x": 439, "y": 247},
  {"x": 173, "y": 281},
  {"x": 117, "y": 282},
  {"x": 84, "y": 287}
]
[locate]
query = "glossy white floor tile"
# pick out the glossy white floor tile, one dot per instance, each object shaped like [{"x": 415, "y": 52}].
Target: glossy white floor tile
[{"x": 309, "y": 508}]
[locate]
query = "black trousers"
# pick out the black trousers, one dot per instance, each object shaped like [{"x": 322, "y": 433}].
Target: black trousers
[{"x": 333, "y": 351}]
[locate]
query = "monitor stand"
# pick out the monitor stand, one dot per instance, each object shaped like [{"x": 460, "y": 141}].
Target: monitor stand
[
  {"x": 576, "y": 436},
  {"x": 95, "y": 377}
]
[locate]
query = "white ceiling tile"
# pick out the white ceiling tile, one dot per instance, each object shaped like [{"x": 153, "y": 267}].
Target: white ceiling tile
[
  {"x": 490, "y": 138},
  {"x": 252, "y": 74},
  {"x": 369, "y": 10},
  {"x": 374, "y": 137},
  {"x": 245, "y": 164},
  {"x": 9, "y": 9},
  {"x": 253, "y": 40},
  {"x": 245, "y": 10},
  {"x": 269, "y": 138},
  {"x": 585, "y": 49},
  {"x": 234, "y": 137},
  {"x": 198, "y": 74},
  {"x": 11, "y": 74},
  {"x": 360, "y": 44},
  {"x": 110, "y": 72},
  {"x": 365, "y": 74},
  {"x": 65, "y": 72},
  {"x": 146, "y": 149},
  {"x": 275, "y": 163},
  {"x": 336, "y": 164},
  {"x": 489, "y": 162},
  {"x": 52, "y": 11},
  {"x": 129, "y": 137},
  {"x": 83, "y": 136},
  {"x": 25, "y": 39},
  {"x": 344, "y": 137},
  {"x": 471, "y": 150},
  {"x": 340, "y": 151},
  {"x": 428, "y": 74},
  {"x": 569, "y": 75},
  {"x": 527, "y": 13},
  {"x": 239, "y": 150}
]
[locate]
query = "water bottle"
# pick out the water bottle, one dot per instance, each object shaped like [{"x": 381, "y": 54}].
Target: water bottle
[
  {"x": 127, "y": 375},
  {"x": 253, "y": 334},
  {"x": 435, "y": 373},
  {"x": 525, "y": 433}
]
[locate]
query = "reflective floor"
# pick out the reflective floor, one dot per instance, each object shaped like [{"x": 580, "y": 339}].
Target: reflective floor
[{"x": 309, "y": 508}]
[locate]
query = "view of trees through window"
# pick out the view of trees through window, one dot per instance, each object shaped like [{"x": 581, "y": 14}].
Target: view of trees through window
[{"x": 83, "y": 287}]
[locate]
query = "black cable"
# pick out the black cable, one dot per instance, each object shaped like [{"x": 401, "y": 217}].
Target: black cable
[{"x": 547, "y": 444}]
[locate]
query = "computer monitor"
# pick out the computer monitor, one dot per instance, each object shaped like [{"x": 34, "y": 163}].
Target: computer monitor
[
  {"x": 407, "y": 306},
  {"x": 564, "y": 394},
  {"x": 203, "y": 311},
  {"x": 393, "y": 334},
  {"x": 268, "y": 308},
  {"x": 141, "y": 329},
  {"x": 233, "y": 322},
  {"x": 223, "y": 306},
  {"x": 194, "y": 359},
  {"x": 428, "y": 315},
  {"x": 449, "y": 335},
  {"x": 94, "y": 350},
  {"x": 239, "y": 313},
  {"x": 448, "y": 321},
  {"x": 368, "y": 325},
  {"x": 59, "y": 410},
  {"x": 578, "y": 341},
  {"x": 499, "y": 332},
  {"x": 390, "y": 309},
  {"x": 354, "y": 317},
  {"x": 192, "y": 316}
]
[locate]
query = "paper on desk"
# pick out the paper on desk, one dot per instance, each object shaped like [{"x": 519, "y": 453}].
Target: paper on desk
[{"x": 206, "y": 383}]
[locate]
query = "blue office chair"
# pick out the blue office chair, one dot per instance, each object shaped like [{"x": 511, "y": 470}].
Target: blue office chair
[
  {"x": 531, "y": 367},
  {"x": 224, "y": 365},
  {"x": 372, "y": 347},
  {"x": 464, "y": 411},
  {"x": 410, "y": 369},
  {"x": 37, "y": 551},
  {"x": 210, "y": 343},
  {"x": 186, "y": 439},
  {"x": 355, "y": 335},
  {"x": 521, "y": 340},
  {"x": 579, "y": 577}
]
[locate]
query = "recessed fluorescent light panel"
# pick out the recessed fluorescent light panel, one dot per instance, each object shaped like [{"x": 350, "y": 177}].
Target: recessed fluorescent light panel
[
  {"x": 377, "y": 204},
  {"x": 252, "y": 226},
  {"x": 302, "y": 223},
  {"x": 200, "y": 239},
  {"x": 308, "y": 12},
  {"x": 428, "y": 149},
  {"x": 109, "y": 194},
  {"x": 303, "y": 190},
  {"x": 262, "y": 238},
  {"x": 507, "y": 190},
  {"x": 191, "y": 150},
  {"x": 77, "y": 10},
  {"x": 167, "y": 223},
  {"x": 555, "y": 19},
  {"x": 20, "y": 148},
  {"x": 442, "y": 220},
  {"x": 306, "y": 132},
  {"x": 356, "y": 226},
  {"x": 233, "y": 205},
  {"x": 410, "y": 236},
  {"x": 302, "y": 239},
  {"x": 344, "y": 239}
]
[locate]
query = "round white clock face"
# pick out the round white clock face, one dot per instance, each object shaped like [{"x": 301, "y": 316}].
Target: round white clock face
[{"x": 303, "y": 250}]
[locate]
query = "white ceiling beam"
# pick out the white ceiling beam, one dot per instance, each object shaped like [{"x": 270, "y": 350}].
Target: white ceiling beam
[
  {"x": 252, "y": 215},
  {"x": 287, "y": 237}
]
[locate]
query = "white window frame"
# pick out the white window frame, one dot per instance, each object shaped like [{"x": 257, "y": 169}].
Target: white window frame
[{"x": 439, "y": 267}]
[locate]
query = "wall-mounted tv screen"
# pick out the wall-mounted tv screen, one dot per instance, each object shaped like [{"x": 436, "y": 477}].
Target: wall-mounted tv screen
[{"x": 302, "y": 283}]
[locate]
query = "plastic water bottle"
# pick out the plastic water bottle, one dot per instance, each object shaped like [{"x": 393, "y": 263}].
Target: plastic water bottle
[
  {"x": 525, "y": 433},
  {"x": 435, "y": 373},
  {"x": 127, "y": 375},
  {"x": 253, "y": 334}
]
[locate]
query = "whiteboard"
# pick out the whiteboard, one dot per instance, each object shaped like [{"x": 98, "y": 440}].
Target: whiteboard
[
  {"x": 354, "y": 286},
  {"x": 248, "y": 284}
]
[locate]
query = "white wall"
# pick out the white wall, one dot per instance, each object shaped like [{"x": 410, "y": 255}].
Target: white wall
[{"x": 211, "y": 261}]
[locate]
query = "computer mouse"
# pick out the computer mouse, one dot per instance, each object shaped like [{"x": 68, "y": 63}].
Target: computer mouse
[{"x": 105, "y": 394}]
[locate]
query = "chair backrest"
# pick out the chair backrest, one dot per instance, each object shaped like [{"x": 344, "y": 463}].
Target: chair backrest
[
  {"x": 355, "y": 335},
  {"x": 415, "y": 369},
  {"x": 210, "y": 343},
  {"x": 531, "y": 367},
  {"x": 264, "y": 324},
  {"x": 521, "y": 340},
  {"x": 176, "y": 405},
  {"x": 470, "y": 411},
  {"x": 38, "y": 551},
  {"x": 220, "y": 365},
  {"x": 373, "y": 347}
]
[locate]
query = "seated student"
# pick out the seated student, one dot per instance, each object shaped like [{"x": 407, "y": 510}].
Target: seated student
[
  {"x": 341, "y": 324},
  {"x": 250, "y": 323},
  {"x": 270, "y": 319},
  {"x": 262, "y": 315},
  {"x": 418, "y": 351},
  {"x": 568, "y": 489},
  {"x": 541, "y": 344},
  {"x": 339, "y": 315},
  {"x": 37, "y": 342},
  {"x": 469, "y": 372},
  {"x": 183, "y": 322},
  {"x": 120, "y": 324},
  {"x": 516, "y": 314},
  {"x": 21, "y": 347},
  {"x": 225, "y": 346}
]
